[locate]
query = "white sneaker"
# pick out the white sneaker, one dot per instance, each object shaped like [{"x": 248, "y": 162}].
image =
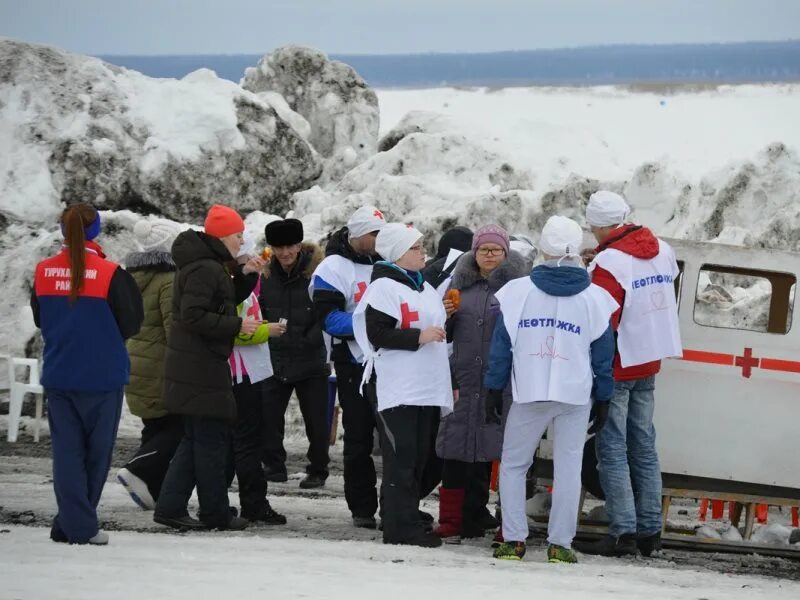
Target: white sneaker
[
  {"x": 136, "y": 488},
  {"x": 100, "y": 539}
]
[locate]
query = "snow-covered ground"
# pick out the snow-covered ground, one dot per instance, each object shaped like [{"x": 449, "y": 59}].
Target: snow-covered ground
[
  {"x": 319, "y": 554},
  {"x": 244, "y": 565}
]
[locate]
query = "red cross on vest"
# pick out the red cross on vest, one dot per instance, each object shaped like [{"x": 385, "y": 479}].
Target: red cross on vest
[
  {"x": 747, "y": 362},
  {"x": 362, "y": 287},
  {"x": 408, "y": 316}
]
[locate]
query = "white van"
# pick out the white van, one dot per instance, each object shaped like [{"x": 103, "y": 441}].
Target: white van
[{"x": 727, "y": 414}]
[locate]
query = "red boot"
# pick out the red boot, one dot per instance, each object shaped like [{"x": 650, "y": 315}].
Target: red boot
[{"x": 451, "y": 504}]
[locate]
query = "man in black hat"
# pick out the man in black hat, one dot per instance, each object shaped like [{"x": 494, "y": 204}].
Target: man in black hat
[{"x": 299, "y": 357}]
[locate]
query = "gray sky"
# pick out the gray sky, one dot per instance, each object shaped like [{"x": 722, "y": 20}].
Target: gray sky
[{"x": 380, "y": 27}]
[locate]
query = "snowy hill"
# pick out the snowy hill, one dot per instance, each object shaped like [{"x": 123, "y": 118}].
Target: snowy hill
[{"x": 715, "y": 163}]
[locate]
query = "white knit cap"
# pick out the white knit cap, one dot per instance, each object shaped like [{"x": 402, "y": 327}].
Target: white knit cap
[
  {"x": 395, "y": 239},
  {"x": 606, "y": 208},
  {"x": 561, "y": 237},
  {"x": 365, "y": 220},
  {"x": 248, "y": 247},
  {"x": 156, "y": 234}
]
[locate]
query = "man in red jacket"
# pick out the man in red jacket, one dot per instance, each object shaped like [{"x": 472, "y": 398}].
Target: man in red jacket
[{"x": 639, "y": 271}]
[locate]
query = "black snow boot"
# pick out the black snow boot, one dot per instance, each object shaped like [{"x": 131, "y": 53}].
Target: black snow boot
[
  {"x": 313, "y": 481},
  {"x": 649, "y": 544},
  {"x": 624, "y": 545},
  {"x": 484, "y": 519},
  {"x": 184, "y": 523},
  {"x": 235, "y": 524},
  {"x": 267, "y": 516},
  {"x": 365, "y": 522}
]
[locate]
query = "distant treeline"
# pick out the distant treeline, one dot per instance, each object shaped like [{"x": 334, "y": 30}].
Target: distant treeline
[{"x": 745, "y": 62}]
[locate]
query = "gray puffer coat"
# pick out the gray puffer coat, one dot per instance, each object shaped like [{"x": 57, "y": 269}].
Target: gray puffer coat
[{"x": 464, "y": 434}]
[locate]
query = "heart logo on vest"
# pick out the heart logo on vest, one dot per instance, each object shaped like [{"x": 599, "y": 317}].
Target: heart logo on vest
[{"x": 658, "y": 300}]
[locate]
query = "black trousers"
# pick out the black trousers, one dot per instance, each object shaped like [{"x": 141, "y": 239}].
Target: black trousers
[
  {"x": 432, "y": 472},
  {"x": 312, "y": 395},
  {"x": 201, "y": 460},
  {"x": 405, "y": 440},
  {"x": 358, "y": 420},
  {"x": 160, "y": 439},
  {"x": 475, "y": 479},
  {"x": 248, "y": 443}
]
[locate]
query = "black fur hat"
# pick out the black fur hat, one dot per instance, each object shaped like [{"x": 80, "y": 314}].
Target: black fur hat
[{"x": 284, "y": 233}]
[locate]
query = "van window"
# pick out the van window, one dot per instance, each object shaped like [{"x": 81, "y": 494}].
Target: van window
[{"x": 749, "y": 299}]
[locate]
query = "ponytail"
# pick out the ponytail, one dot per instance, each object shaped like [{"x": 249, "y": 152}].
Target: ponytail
[{"x": 74, "y": 221}]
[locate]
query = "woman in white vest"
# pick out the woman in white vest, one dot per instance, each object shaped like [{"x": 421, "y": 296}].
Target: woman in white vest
[
  {"x": 400, "y": 325},
  {"x": 555, "y": 343}
]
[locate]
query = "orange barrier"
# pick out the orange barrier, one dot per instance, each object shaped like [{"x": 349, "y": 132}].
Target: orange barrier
[{"x": 495, "y": 475}]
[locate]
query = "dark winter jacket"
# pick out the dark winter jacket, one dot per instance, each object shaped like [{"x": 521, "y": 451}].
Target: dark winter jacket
[
  {"x": 382, "y": 328},
  {"x": 464, "y": 435},
  {"x": 557, "y": 281},
  {"x": 459, "y": 238},
  {"x": 330, "y": 304},
  {"x": 639, "y": 242},
  {"x": 300, "y": 353},
  {"x": 84, "y": 339},
  {"x": 197, "y": 377},
  {"x": 154, "y": 273}
]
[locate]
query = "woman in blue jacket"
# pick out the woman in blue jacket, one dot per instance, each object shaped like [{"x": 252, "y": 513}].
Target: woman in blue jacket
[{"x": 86, "y": 307}]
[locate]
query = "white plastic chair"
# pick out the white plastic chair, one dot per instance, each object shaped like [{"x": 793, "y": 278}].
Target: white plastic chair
[{"x": 17, "y": 392}]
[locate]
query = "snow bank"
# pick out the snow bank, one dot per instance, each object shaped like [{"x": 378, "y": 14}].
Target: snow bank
[
  {"x": 720, "y": 164},
  {"x": 74, "y": 128},
  {"x": 341, "y": 109}
]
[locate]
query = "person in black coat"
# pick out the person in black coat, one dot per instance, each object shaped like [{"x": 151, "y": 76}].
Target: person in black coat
[
  {"x": 299, "y": 358},
  {"x": 458, "y": 238},
  {"x": 197, "y": 379}
]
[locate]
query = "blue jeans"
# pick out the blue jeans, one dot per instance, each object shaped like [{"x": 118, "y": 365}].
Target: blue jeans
[{"x": 628, "y": 462}]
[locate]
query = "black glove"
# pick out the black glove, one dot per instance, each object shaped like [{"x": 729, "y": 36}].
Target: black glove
[
  {"x": 494, "y": 406},
  {"x": 598, "y": 416}
]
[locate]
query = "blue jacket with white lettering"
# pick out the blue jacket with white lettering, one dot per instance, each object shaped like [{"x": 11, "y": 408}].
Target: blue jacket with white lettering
[{"x": 556, "y": 281}]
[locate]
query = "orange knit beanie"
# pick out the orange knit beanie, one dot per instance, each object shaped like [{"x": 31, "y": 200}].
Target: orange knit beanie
[{"x": 222, "y": 221}]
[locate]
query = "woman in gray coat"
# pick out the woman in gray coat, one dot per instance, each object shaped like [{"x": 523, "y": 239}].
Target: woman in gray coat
[{"x": 466, "y": 443}]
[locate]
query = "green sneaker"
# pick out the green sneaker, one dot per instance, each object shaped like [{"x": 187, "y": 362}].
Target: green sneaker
[
  {"x": 559, "y": 554},
  {"x": 510, "y": 551}
]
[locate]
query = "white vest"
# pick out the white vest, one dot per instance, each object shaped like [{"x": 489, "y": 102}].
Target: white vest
[
  {"x": 420, "y": 378},
  {"x": 551, "y": 338},
  {"x": 255, "y": 359},
  {"x": 648, "y": 328},
  {"x": 349, "y": 278}
]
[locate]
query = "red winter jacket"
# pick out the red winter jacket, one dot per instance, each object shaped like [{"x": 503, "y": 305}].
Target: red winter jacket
[{"x": 640, "y": 242}]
